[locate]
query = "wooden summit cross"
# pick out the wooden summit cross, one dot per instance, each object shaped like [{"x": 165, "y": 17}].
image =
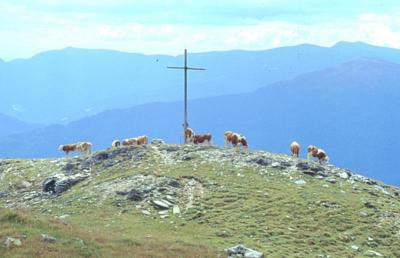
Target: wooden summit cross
[{"x": 185, "y": 68}]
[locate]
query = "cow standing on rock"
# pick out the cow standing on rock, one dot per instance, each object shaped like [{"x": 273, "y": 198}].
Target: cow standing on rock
[{"x": 314, "y": 151}]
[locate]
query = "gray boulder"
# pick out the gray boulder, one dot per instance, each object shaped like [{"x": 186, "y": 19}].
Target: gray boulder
[
  {"x": 242, "y": 251},
  {"x": 48, "y": 238},
  {"x": 61, "y": 183}
]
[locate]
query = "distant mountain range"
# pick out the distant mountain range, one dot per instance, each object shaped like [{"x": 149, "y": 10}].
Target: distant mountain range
[
  {"x": 64, "y": 85},
  {"x": 10, "y": 125},
  {"x": 350, "y": 110}
]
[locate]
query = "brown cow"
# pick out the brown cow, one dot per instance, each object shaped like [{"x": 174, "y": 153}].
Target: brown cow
[
  {"x": 129, "y": 141},
  {"x": 317, "y": 153},
  {"x": 235, "y": 139},
  {"x": 142, "y": 140},
  {"x": 202, "y": 138},
  {"x": 84, "y": 147},
  {"x": 242, "y": 141},
  {"x": 295, "y": 149},
  {"x": 189, "y": 133},
  {"x": 66, "y": 148},
  {"x": 228, "y": 137}
]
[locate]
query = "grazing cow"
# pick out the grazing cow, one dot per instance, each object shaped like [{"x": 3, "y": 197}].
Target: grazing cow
[
  {"x": 66, "y": 148},
  {"x": 142, "y": 140},
  {"x": 129, "y": 141},
  {"x": 235, "y": 139},
  {"x": 228, "y": 137},
  {"x": 202, "y": 138},
  {"x": 317, "y": 153},
  {"x": 189, "y": 134},
  {"x": 84, "y": 147},
  {"x": 116, "y": 144},
  {"x": 295, "y": 149},
  {"x": 242, "y": 141}
]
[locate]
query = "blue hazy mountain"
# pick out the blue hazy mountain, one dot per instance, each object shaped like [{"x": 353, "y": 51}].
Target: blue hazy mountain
[
  {"x": 350, "y": 110},
  {"x": 10, "y": 125},
  {"x": 64, "y": 85}
]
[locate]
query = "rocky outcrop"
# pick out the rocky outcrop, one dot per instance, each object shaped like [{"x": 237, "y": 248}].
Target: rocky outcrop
[
  {"x": 60, "y": 183},
  {"x": 242, "y": 251}
]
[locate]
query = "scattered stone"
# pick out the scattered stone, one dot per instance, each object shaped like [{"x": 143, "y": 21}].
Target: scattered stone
[
  {"x": 146, "y": 212},
  {"x": 25, "y": 184},
  {"x": 363, "y": 179},
  {"x": 174, "y": 183},
  {"x": 371, "y": 253},
  {"x": 3, "y": 194},
  {"x": 176, "y": 209},
  {"x": 242, "y": 251},
  {"x": 343, "y": 175},
  {"x": 303, "y": 166},
  {"x": 163, "y": 212},
  {"x": 157, "y": 141},
  {"x": 48, "y": 238},
  {"x": 370, "y": 205},
  {"x": 328, "y": 204},
  {"x": 161, "y": 204},
  {"x": 275, "y": 165},
  {"x": 382, "y": 190},
  {"x": 10, "y": 242},
  {"x": 100, "y": 156},
  {"x": 188, "y": 156},
  {"x": 136, "y": 195},
  {"x": 300, "y": 182},
  {"x": 261, "y": 161},
  {"x": 69, "y": 167},
  {"x": 331, "y": 180},
  {"x": 64, "y": 216}
]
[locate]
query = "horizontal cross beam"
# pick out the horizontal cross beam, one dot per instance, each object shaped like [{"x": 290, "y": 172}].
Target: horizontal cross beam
[{"x": 187, "y": 68}]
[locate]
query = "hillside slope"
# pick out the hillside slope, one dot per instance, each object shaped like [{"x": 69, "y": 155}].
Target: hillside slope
[
  {"x": 64, "y": 85},
  {"x": 349, "y": 110},
  {"x": 193, "y": 201}
]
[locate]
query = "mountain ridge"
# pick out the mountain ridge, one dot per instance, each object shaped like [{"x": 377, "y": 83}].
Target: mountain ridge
[
  {"x": 124, "y": 79},
  {"x": 11, "y": 125}
]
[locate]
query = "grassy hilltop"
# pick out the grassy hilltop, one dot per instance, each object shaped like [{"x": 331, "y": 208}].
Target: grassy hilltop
[{"x": 192, "y": 201}]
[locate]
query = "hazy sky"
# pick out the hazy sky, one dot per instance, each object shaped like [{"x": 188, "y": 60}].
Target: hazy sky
[{"x": 168, "y": 26}]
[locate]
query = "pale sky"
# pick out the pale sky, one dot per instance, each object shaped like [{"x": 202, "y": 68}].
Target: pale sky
[{"x": 28, "y": 27}]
